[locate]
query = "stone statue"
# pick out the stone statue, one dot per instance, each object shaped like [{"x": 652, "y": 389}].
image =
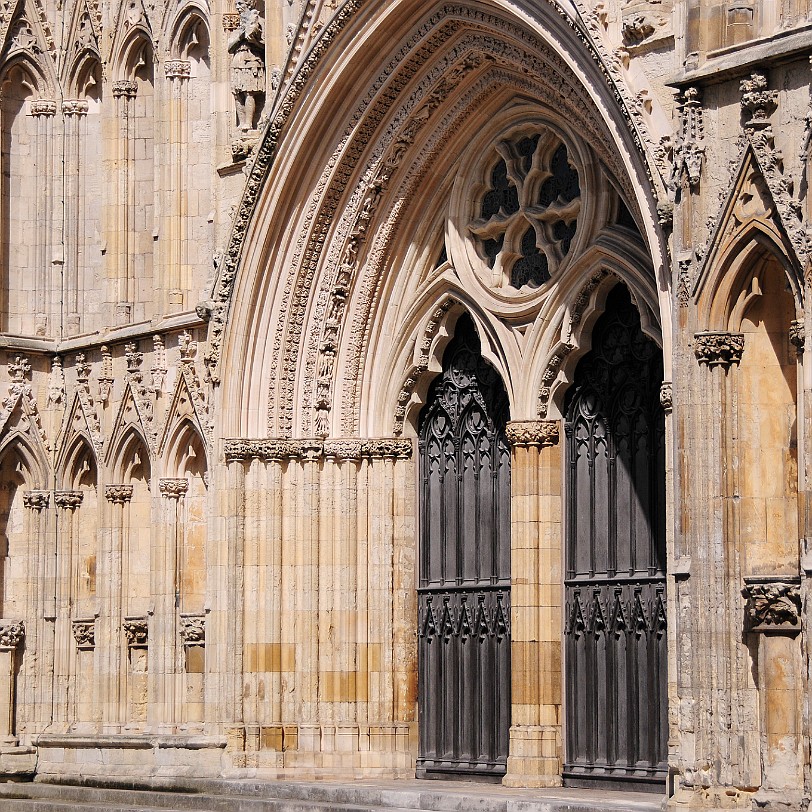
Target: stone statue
[{"x": 247, "y": 65}]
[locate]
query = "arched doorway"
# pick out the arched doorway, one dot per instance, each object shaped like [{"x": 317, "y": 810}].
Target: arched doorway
[
  {"x": 615, "y": 644},
  {"x": 464, "y": 581}
]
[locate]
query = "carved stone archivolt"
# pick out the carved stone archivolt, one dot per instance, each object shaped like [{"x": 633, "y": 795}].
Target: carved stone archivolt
[
  {"x": 350, "y": 449},
  {"x": 118, "y": 494},
  {"x": 84, "y": 633},
  {"x": 12, "y": 633},
  {"x": 718, "y": 348},
  {"x": 193, "y": 630},
  {"x": 772, "y": 604},
  {"x": 136, "y": 631},
  {"x": 532, "y": 433}
]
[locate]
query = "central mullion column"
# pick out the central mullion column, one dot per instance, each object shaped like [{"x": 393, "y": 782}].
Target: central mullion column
[{"x": 535, "y": 758}]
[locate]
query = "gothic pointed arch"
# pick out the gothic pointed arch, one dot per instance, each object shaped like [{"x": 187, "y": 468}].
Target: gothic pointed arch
[
  {"x": 80, "y": 426},
  {"x": 128, "y": 426},
  {"x": 83, "y": 51},
  {"x": 79, "y": 466}
]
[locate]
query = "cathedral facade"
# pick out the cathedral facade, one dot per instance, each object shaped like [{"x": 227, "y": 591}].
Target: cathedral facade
[{"x": 407, "y": 388}]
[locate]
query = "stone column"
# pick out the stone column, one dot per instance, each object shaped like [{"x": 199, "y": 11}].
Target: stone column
[
  {"x": 12, "y": 633},
  {"x": 43, "y": 111},
  {"x": 772, "y": 613},
  {"x": 536, "y": 757},
  {"x": 113, "y": 657},
  {"x": 75, "y": 113},
  {"x": 124, "y": 91},
  {"x": 165, "y": 667},
  {"x": 176, "y": 280},
  {"x": 193, "y": 638},
  {"x": 85, "y": 709},
  {"x": 136, "y": 634},
  {"x": 67, "y": 502}
]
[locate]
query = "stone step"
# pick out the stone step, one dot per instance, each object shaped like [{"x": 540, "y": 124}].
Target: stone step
[{"x": 301, "y": 796}]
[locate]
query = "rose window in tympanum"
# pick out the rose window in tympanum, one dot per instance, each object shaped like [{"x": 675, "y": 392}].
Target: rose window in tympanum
[{"x": 525, "y": 219}]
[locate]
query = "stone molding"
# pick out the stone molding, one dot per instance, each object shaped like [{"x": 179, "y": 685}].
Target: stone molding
[
  {"x": 118, "y": 494},
  {"x": 84, "y": 632},
  {"x": 36, "y": 500},
  {"x": 75, "y": 107},
  {"x": 311, "y": 449},
  {"x": 718, "y": 348},
  {"x": 773, "y": 604},
  {"x": 532, "y": 433},
  {"x": 12, "y": 633},
  {"x": 136, "y": 631},
  {"x": 193, "y": 630},
  {"x": 69, "y": 500},
  {"x": 178, "y": 69},
  {"x": 125, "y": 88},
  {"x": 173, "y": 488}
]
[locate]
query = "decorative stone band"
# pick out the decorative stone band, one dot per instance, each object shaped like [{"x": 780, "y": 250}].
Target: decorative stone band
[
  {"x": 797, "y": 334},
  {"x": 75, "y": 107},
  {"x": 118, "y": 494},
  {"x": 43, "y": 107},
  {"x": 193, "y": 630},
  {"x": 773, "y": 604},
  {"x": 667, "y": 396},
  {"x": 125, "y": 88},
  {"x": 525, "y": 433},
  {"x": 178, "y": 69},
  {"x": 136, "y": 630},
  {"x": 36, "y": 500},
  {"x": 718, "y": 348},
  {"x": 84, "y": 632},
  {"x": 350, "y": 449},
  {"x": 12, "y": 633},
  {"x": 173, "y": 488},
  {"x": 69, "y": 500}
]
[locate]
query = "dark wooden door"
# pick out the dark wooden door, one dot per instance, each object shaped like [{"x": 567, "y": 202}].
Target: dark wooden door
[
  {"x": 464, "y": 588},
  {"x": 615, "y": 559}
]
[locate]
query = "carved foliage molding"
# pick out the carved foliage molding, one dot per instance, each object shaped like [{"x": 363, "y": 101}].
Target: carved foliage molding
[
  {"x": 173, "y": 488},
  {"x": 118, "y": 494},
  {"x": 12, "y": 633},
  {"x": 36, "y": 500},
  {"x": 349, "y": 449},
  {"x": 68, "y": 500},
  {"x": 539, "y": 433},
  {"x": 193, "y": 630},
  {"x": 136, "y": 631},
  {"x": 716, "y": 348},
  {"x": 772, "y": 604}
]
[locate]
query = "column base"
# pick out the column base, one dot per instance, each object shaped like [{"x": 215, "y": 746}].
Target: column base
[
  {"x": 17, "y": 763},
  {"x": 534, "y": 759}
]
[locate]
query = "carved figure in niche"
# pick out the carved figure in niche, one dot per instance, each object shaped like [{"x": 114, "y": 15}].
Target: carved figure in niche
[{"x": 246, "y": 47}]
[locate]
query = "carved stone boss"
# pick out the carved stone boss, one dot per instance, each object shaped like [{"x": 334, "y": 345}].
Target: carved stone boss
[
  {"x": 532, "y": 433},
  {"x": 773, "y": 604},
  {"x": 717, "y": 348},
  {"x": 136, "y": 631},
  {"x": 84, "y": 632}
]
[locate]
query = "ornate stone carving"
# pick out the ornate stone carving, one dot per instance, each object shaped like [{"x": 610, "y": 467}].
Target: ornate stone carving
[
  {"x": 106, "y": 377},
  {"x": 12, "y": 633},
  {"x": 178, "y": 69},
  {"x": 312, "y": 449},
  {"x": 667, "y": 396},
  {"x": 75, "y": 107},
  {"x": 539, "y": 433},
  {"x": 231, "y": 21},
  {"x": 635, "y": 29},
  {"x": 19, "y": 370},
  {"x": 68, "y": 500},
  {"x": 684, "y": 281},
  {"x": 82, "y": 369},
  {"x": 136, "y": 631},
  {"x": 772, "y": 604},
  {"x": 193, "y": 630},
  {"x": 118, "y": 494},
  {"x": 247, "y": 50},
  {"x": 125, "y": 88},
  {"x": 158, "y": 369},
  {"x": 86, "y": 402},
  {"x": 84, "y": 632},
  {"x": 549, "y": 375},
  {"x": 173, "y": 488},
  {"x": 797, "y": 334},
  {"x": 758, "y": 102},
  {"x": 19, "y": 391},
  {"x": 718, "y": 348},
  {"x": 689, "y": 151},
  {"x": 43, "y": 107},
  {"x": 56, "y": 382},
  {"x": 36, "y": 500}
]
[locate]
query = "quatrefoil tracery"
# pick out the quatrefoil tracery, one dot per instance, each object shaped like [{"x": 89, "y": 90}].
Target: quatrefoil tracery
[{"x": 528, "y": 212}]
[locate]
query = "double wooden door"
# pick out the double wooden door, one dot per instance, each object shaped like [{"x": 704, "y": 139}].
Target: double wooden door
[{"x": 464, "y": 586}]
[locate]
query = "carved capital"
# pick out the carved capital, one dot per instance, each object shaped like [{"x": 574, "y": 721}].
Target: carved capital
[
  {"x": 12, "y": 633},
  {"x": 36, "y": 500},
  {"x": 125, "y": 88},
  {"x": 136, "y": 631},
  {"x": 667, "y": 396},
  {"x": 772, "y": 604},
  {"x": 84, "y": 632},
  {"x": 178, "y": 69},
  {"x": 43, "y": 107},
  {"x": 344, "y": 449},
  {"x": 718, "y": 348},
  {"x": 541, "y": 433},
  {"x": 75, "y": 107},
  {"x": 173, "y": 488},
  {"x": 69, "y": 500},
  {"x": 193, "y": 630},
  {"x": 388, "y": 447},
  {"x": 797, "y": 334},
  {"x": 118, "y": 494}
]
